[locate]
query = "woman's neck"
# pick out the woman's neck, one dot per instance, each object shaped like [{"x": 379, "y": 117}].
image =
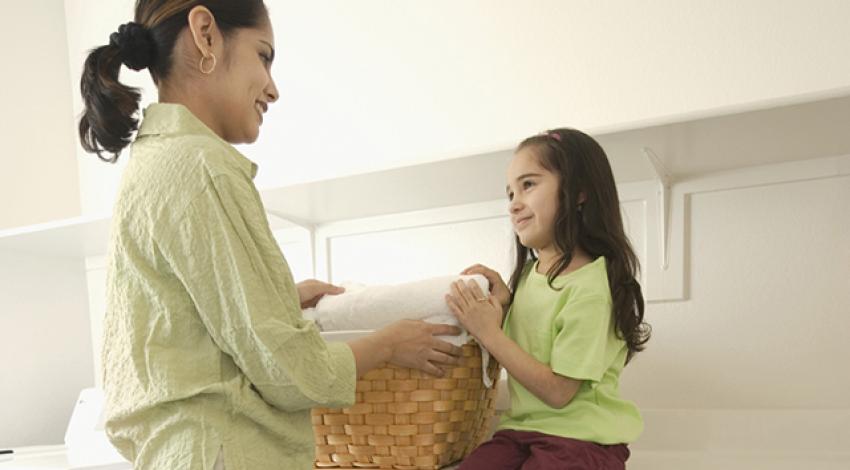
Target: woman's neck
[{"x": 195, "y": 103}]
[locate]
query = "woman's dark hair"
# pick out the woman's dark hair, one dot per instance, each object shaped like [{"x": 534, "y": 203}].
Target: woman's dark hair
[
  {"x": 595, "y": 225},
  {"x": 109, "y": 118}
]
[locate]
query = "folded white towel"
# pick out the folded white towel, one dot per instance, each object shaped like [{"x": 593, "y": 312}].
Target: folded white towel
[{"x": 372, "y": 307}]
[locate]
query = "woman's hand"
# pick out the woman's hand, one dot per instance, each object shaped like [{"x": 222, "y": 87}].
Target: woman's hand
[
  {"x": 412, "y": 343},
  {"x": 480, "y": 314},
  {"x": 498, "y": 288},
  {"x": 311, "y": 291}
]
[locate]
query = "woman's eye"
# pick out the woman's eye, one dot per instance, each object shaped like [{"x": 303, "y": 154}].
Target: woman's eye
[{"x": 266, "y": 58}]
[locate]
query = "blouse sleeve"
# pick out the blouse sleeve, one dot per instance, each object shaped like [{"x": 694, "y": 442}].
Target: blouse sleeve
[{"x": 223, "y": 252}]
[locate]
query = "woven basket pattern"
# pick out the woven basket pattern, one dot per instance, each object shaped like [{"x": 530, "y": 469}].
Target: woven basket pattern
[{"x": 405, "y": 419}]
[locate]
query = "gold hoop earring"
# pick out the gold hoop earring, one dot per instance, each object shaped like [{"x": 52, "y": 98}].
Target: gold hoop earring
[{"x": 201, "y": 64}]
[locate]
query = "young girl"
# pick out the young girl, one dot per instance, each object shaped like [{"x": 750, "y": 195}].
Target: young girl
[{"x": 574, "y": 313}]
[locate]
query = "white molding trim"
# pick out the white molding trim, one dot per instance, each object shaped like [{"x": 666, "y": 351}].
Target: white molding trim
[
  {"x": 325, "y": 233},
  {"x": 662, "y": 281}
]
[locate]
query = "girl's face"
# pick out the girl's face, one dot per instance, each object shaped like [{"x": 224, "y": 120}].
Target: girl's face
[
  {"x": 247, "y": 87},
  {"x": 533, "y": 194}
]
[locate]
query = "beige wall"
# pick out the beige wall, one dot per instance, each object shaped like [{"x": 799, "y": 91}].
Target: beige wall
[{"x": 38, "y": 181}]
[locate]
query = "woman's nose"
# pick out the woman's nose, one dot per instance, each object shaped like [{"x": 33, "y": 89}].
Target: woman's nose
[{"x": 271, "y": 91}]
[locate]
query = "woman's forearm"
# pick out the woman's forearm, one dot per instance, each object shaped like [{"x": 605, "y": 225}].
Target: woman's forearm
[{"x": 369, "y": 352}]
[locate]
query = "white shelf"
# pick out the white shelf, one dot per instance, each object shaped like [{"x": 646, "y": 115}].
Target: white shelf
[
  {"x": 687, "y": 149},
  {"x": 76, "y": 237}
]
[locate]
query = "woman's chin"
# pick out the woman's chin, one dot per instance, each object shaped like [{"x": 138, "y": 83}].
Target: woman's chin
[{"x": 252, "y": 136}]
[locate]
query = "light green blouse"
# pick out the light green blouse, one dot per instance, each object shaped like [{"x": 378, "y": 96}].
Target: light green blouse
[
  {"x": 571, "y": 330},
  {"x": 205, "y": 346}
]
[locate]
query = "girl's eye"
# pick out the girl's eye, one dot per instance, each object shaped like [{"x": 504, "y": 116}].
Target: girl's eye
[
  {"x": 266, "y": 58},
  {"x": 527, "y": 184}
]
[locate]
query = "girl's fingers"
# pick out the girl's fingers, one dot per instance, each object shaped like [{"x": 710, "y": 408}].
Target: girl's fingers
[
  {"x": 470, "y": 297},
  {"x": 470, "y": 269},
  {"x": 460, "y": 296},
  {"x": 479, "y": 269},
  {"x": 476, "y": 291},
  {"x": 450, "y": 301}
]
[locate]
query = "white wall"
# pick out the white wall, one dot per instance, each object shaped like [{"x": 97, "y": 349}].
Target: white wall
[
  {"x": 766, "y": 324},
  {"x": 38, "y": 182},
  {"x": 89, "y": 24},
  {"x": 45, "y": 347},
  {"x": 375, "y": 84},
  {"x": 751, "y": 372}
]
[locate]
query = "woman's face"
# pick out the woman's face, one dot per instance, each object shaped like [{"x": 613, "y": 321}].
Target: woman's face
[{"x": 245, "y": 83}]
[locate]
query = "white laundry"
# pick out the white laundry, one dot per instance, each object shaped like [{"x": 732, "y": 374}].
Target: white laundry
[{"x": 372, "y": 307}]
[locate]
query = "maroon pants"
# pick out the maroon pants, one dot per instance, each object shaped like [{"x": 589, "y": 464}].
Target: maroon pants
[{"x": 523, "y": 450}]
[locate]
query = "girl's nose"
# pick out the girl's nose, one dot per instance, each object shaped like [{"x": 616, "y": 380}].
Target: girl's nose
[{"x": 515, "y": 206}]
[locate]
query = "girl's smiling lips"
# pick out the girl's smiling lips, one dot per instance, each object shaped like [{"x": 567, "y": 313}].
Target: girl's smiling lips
[{"x": 521, "y": 221}]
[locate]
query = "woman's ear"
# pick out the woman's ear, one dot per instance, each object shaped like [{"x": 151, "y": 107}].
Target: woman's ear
[
  {"x": 203, "y": 29},
  {"x": 582, "y": 197}
]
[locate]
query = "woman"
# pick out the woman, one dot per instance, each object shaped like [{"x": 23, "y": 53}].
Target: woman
[{"x": 207, "y": 359}]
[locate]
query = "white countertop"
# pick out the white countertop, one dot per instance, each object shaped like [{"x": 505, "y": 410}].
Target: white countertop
[{"x": 49, "y": 458}]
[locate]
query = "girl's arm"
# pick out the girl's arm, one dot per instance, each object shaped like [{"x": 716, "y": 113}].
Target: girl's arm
[
  {"x": 482, "y": 317},
  {"x": 553, "y": 389}
]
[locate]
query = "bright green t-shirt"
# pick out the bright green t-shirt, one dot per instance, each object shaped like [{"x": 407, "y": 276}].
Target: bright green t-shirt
[
  {"x": 205, "y": 347},
  {"x": 571, "y": 330}
]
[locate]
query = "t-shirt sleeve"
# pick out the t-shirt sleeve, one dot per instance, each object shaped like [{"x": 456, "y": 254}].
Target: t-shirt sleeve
[
  {"x": 581, "y": 334},
  {"x": 223, "y": 252}
]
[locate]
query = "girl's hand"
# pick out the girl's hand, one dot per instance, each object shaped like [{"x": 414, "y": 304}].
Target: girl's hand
[
  {"x": 311, "y": 291},
  {"x": 480, "y": 314},
  {"x": 412, "y": 343},
  {"x": 498, "y": 288}
]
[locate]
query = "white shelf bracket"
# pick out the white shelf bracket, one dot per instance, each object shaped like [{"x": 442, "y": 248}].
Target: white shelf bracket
[{"x": 665, "y": 182}]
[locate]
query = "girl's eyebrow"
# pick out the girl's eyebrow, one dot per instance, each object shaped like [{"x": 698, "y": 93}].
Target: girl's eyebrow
[{"x": 520, "y": 178}]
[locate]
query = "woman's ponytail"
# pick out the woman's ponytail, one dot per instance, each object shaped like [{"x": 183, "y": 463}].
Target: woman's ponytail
[{"x": 108, "y": 120}]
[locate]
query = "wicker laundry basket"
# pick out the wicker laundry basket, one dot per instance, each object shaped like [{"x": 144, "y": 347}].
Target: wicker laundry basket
[{"x": 406, "y": 419}]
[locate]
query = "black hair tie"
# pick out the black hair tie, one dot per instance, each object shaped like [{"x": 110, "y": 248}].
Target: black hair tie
[{"x": 135, "y": 44}]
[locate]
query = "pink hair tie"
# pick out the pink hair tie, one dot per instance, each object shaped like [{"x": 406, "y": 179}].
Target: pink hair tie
[{"x": 554, "y": 135}]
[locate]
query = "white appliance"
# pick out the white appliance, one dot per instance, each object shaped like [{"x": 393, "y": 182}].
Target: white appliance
[
  {"x": 86, "y": 446},
  {"x": 85, "y": 438}
]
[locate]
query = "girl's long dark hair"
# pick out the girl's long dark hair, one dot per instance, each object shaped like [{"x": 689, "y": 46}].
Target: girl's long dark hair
[
  {"x": 596, "y": 226},
  {"x": 109, "y": 118}
]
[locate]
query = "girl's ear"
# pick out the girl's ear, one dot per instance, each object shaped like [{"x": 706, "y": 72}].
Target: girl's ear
[{"x": 582, "y": 197}]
